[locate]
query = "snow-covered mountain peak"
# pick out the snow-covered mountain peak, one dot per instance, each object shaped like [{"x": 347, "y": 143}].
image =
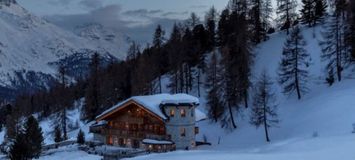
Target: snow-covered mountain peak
[{"x": 29, "y": 46}]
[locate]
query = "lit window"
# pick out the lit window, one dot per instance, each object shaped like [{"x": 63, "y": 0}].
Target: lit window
[
  {"x": 183, "y": 132},
  {"x": 183, "y": 113},
  {"x": 172, "y": 112}
]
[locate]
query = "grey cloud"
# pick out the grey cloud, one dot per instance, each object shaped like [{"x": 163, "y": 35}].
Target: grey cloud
[
  {"x": 142, "y": 12},
  {"x": 199, "y": 6},
  {"x": 91, "y": 4},
  {"x": 174, "y": 13}
]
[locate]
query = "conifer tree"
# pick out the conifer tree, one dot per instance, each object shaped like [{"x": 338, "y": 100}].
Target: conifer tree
[
  {"x": 160, "y": 57},
  {"x": 92, "y": 95},
  {"x": 286, "y": 10},
  {"x": 351, "y": 31},
  {"x": 211, "y": 21},
  {"x": 334, "y": 49},
  {"x": 80, "y": 139},
  {"x": 308, "y": 12},
  {"x": 293, "y": 69},
  {"x": 264, "y": 107},
  {"x": 57, "y": 134},
  {"x": 20, "y": 150},
  {"x": 214, "y": 104},
  {"x": 261, "y": 12},
  {"x": 320, "y": 11},
  {"x": 34, "y": 135}
]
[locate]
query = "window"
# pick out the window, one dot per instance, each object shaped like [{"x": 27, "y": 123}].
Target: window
[
  {"x": 172, "y": 112},
  {"x": 183, "y": 113},
  {"x": 182, "y": 132}
]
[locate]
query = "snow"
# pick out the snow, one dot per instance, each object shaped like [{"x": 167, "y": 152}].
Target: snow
[
  {"x": 30, "y": 43},
  {"x": 153, "y": 102},
  {"x": 317, "y": 127},
  {"x": 69, "y": 152},
  {"x": 153, "y": 141}
]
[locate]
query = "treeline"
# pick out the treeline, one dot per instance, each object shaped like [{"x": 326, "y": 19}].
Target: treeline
[{"x": 220, "y": 47}]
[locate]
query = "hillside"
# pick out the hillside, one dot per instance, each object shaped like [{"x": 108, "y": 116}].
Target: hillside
[
  {"x": 30, "y": 48},
  {"x": 317, "y": 127}
]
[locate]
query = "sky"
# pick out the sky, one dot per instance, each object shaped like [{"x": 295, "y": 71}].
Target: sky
[{"x": 136, "y": 18}]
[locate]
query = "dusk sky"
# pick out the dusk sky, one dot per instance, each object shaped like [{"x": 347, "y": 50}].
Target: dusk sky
[{"x": 136, "y": 18}]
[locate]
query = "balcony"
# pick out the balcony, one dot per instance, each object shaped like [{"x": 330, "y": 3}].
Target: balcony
[{"x": 134, "y": 134}]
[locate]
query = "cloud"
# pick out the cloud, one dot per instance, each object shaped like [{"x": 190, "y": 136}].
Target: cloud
[
  {"x": 142, "y": 12},
  {"x": 60, "y": 2},
  {"x": 108, "y": 16},
  {"x": 199, "y": 6},
  {"x": 91, "y": 4},
  {"x": 137, "y": 24},
  {"x": 166, "y": 14}
]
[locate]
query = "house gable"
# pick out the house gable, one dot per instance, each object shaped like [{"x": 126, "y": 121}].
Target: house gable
[{"x": 124, "y": 106}]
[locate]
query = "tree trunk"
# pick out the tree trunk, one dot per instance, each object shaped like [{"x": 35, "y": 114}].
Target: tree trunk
[
  {"x": 232, "y": 117},
  {"x": 198, "y": 83},
  {"x": 265, "y": 126},
  {"x": 160, "y": 90},
  {"x": 246, "y": 98}
]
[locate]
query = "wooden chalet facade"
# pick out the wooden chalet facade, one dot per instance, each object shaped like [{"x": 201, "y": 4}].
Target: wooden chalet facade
[{"x": 149, "y": 122}]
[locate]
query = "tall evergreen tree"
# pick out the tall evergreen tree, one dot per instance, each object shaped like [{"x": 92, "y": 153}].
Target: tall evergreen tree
[
  {"x": 176, "y": 57},
  {"x": 192, "y": 21},
  {"x": 320, "y": 11},
  {"x": 211, "y": 21},
  {"x": 57, "y": 134},
  {"x": 286, "y": 10},
  {"x": 264, "y": 107},
  {"x": 92, "y": 95},
  {"x": 351, "y": 33},
  {"x": 215, "y": 107},
  {"x": 160, "y": 57},
  {"x": 133, "y": 51},
  {"x": 80, "y": 139},
  {"x": 260, "y": 19},
  {"x": 63, "y": 101},
  {"x": 34, "y": 135},
  {"x": 20, "y": 150},
  {"x": 308, "y": 12},
  {"x": 293, "y": 71},
  {"x": 334, "y": 48}
]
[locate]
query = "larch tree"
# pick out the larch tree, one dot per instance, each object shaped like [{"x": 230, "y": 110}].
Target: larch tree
[
  {"x": 34, "y": 135},
  {"x": 286, "y": 10},
  {"x": 211, "y": 27},
  {"x": 214, "y": 104},
  {"x": 320, "y": 11},
  {"x": 308, "y": 12},
  {"x": 261, "y": 12},
  {"x": 264, "y": 110},
  {"x": 334, "y": 49},
  {"x": 160, "y": 57},
  {"x": 293, "y": 69}
]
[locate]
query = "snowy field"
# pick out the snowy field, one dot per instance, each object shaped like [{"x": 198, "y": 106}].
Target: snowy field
[{"x": 68, "y": 153}]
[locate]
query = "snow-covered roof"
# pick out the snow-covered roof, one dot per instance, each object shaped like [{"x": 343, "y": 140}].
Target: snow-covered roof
[
  {"x": 153, "y": 141},
  {"x": 153, "y": 102}
]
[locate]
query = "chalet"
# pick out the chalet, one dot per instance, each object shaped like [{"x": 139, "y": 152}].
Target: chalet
[{"x": 156, "y": 123}]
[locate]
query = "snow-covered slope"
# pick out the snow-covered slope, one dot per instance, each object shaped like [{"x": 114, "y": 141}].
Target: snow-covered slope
[
  {"x": 29, "y": 46},
  {"x": 317, "y": 127}
]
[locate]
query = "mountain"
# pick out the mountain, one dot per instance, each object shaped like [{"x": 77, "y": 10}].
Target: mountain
[{"x": 31, "y": 49}]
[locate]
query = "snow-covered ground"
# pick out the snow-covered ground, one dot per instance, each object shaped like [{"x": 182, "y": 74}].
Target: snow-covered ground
[
  {"x": 70, "y": 152},
  {"x": 317, "y": 127}
]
